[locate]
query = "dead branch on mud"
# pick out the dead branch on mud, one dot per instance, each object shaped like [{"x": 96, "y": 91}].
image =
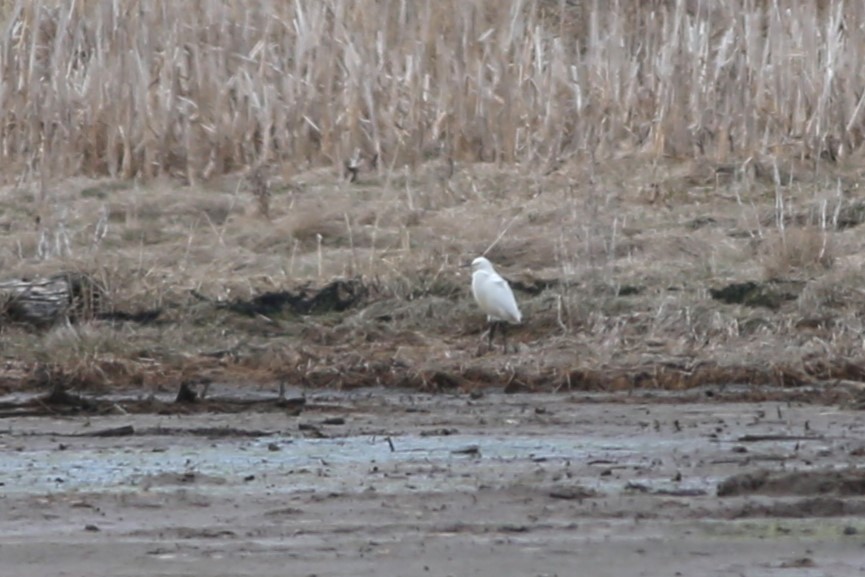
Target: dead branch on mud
[{"x": 60, "y": 402}]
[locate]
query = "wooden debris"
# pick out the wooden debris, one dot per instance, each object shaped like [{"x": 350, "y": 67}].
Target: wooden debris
[
  {"x": 68, "y": 296},
  {"x": 124, "y": 431},
  {"x": 186, "y": 394}
]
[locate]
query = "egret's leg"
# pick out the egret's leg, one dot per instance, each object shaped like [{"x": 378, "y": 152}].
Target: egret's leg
[
  {"x": 492, "y": 332},
  {"x": 504, "y": 331}
]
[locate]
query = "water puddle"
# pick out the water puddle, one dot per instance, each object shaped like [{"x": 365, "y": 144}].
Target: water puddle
[{"x": 405, "y": 462}]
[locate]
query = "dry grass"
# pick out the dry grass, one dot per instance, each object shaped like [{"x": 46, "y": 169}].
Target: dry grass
[
  {"x": 800, "y": 249},
  {"x": 615, "y": 162}
]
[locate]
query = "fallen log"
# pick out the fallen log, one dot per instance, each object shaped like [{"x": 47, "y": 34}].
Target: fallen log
[{"x": 44, "y": 301}]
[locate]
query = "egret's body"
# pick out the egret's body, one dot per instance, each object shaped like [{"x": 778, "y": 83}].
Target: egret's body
[{"x": 494, "y": 296}]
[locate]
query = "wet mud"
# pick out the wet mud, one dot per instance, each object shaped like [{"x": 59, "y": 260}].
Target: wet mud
[{"x": 382, "y": 482}]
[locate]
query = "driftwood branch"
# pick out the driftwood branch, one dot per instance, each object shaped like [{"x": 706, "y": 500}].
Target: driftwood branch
[{"x": 47, "y": 300}]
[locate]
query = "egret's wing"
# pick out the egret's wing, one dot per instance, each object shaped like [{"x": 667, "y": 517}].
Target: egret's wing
[
  {"x": 500, "y": 284},
  {"x": 503, "y": 297}
]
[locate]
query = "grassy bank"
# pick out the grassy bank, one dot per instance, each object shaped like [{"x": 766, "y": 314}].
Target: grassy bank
[{"x": 622, "y": 164}]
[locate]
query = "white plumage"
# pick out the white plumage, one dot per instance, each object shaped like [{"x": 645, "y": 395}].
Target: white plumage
[
  {"x": 494, "y": 296},
  {"x": 492, "y": 293}
]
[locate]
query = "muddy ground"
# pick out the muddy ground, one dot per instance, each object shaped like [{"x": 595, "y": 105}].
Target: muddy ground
[{"x": 377, "y": 482}]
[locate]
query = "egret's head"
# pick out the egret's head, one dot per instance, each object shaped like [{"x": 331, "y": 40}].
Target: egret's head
[{"x": 481, "y": 263}]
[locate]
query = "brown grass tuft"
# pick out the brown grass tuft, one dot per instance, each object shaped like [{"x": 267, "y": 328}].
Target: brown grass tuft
[
  {"x": 795, "y": 251},
  {"x": 260, "y": 188}
]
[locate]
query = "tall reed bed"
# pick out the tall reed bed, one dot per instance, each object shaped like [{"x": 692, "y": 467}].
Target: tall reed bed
[{"x": 196, "y": 88}]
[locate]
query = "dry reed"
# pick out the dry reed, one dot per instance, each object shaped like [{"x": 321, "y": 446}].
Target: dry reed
[{"x": 196, "y": 89}]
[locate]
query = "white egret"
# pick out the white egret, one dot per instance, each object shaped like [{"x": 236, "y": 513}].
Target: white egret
[{"x": 495, "y": 297}]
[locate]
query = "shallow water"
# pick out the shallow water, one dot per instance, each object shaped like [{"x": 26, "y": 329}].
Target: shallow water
[
  {"x": 532, "y": 440},
  {"x": 299, "y": 464}
]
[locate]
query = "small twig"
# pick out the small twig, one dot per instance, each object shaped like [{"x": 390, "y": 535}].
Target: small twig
[
  {"x": 559, "y": 320},
  {"x": 45, "y": 406},
  {"x": 318, "y": 239},
  {"x": 501, "y": 235}
]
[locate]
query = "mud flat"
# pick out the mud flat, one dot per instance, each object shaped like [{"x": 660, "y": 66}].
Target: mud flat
[{"x": 389, "y": 483}]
